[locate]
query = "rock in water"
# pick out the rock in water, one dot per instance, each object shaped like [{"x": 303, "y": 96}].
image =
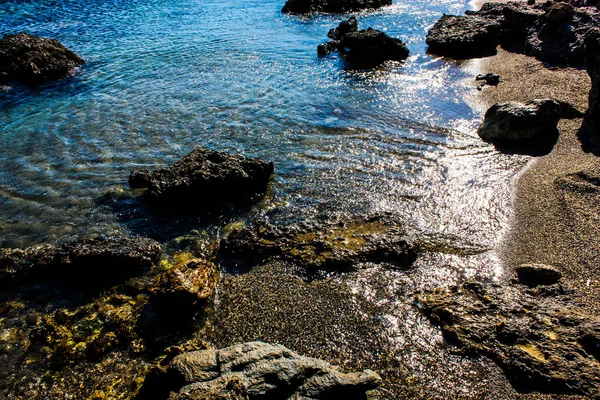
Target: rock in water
[
  {"x": 204, "y": 179},
  {"x": 542, "y": 343},
  {"x": 369, "y": 48},
  {"x": 331, "y": 6},
  {"x": 592, "y": 49},
  {"x": 181, "y": 289},
  {"x": 34, "y": 60},
  {"x": 463, "y": 37},
  {"x": 513, "y": 122},
  {"x": 261, "y": 370},
  {"x": 87, "y": 262}
]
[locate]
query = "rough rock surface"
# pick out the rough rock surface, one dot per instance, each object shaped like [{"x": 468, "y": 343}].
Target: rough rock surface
[
  {"x": 88, "y": 261},
  {"x": 463, "y": 37},
  {"x": 592, "y": 60},
  {"x": 366, "y": 48},
  {"x": 550, "y": 31},
  {"x": 182, "y": 288},
  {"x": 262, "y": 370},
  {"x": 335, "y": 245},
  {"x": 515, "y": 121},
  {"x": 331, "y": 6},
  {"x": 204, "y": 179},
  {"x": 34, "y": 60},
  {"x": 541, "y": 341},
  {"x": 537, "y": 274}
]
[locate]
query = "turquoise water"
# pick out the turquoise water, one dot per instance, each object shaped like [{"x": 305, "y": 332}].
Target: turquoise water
[{"x": 163, "y": 77}]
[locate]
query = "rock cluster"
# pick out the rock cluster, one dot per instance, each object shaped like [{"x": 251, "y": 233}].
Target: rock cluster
[
  {"x": 204, "y": 179},
  {"x": 261, "y": 370},
  {"x": 552, "y": 31},
  {"x": 366, "y": 48},
  {"x": 541, "y": 341},
  {"x": 33, "y": 60},
  {"x": 331, "y": 6},
  {"x": 323, "y": 246}
]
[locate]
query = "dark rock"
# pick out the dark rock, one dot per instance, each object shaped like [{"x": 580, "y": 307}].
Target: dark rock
[
  {"x": 489, "y": 78},
  {"x": 463, "y": 36},
  {"x": 345, "y": 27},
  {"x": 331, "y": 6},
  {"x": 262, "y": 370},
  {"x": 34, "y": 60},
  {"x": 520, "y": 122},
  {"x": 180, "y": 290},
  {"x": 537, "y": 274},
  {"x": 204, "y": 179},
  {"x": 327, "y": 48},
  {"x": 560, "y": 13},
  {"x": 592, "y": 47},
  {"x": 83, "y": 262},
  {"x": 543, "y": 344},
  {"x": 369, "y": 48},
  {"x": 336, "y": 245}
]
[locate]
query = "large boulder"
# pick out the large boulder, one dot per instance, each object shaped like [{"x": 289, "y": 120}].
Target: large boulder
[
  {"x": 86, "y": 262},
  {"x": 261, "y": 370},
  {"x": 204, "y": 179},
  {"x": 33, "y": 60},
  {"x": 463, "y": 37},
  {"x": 335, "y": 245},
  {"x": 331, "y": 6},
  {"x": 514, "y": 122},
  {"x": 540, "y": 339}
]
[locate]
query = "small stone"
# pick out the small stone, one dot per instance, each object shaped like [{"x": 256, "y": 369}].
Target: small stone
[{"x": 538, "y": 274}]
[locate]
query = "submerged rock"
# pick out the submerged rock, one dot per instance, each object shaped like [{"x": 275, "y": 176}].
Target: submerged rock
[
  {"x": 331, "y": 6},
  {"x": 203, "y": 180},
  {"x": 87, "y": 262},
  {"x": 542, "y": 343},
  {"x": 262, "y": 370},
  {"x": 324, "y": 246},
  {"x": 538, "y": 274},
  {"x": 33, "y": 60},
  {"x": 180, "y": 290},
  {"x": 463, "y": 37},
  {"x": 515, "y": 121},
  {"x": 367, "y": 48}
]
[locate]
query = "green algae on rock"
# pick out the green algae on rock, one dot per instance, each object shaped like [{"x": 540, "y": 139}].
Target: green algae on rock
[{"x": 542, "y": 342}]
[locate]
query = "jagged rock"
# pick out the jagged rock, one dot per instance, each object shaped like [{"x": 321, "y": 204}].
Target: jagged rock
[
  {"x": 542, "y": 343},
  {"x": 204, "y": 179},
  {"x": 463, "y": 37},
  {"x": 32, "y": 60},
  {"x": 592, "y": 49},
  {"x": 367, "y": 48},
  {"x": 560, "y": 13},
  {"x": 262, "y": 370},
  {"x": 331, "y": 6},
  {"x": 515, "y": 121},
  {"x": 85, "y": 262},
  {"x": 324, "y": 246},
  {"x": 182, "y": 288},
  {"x": 537, "y": 274},
  {"x": 489, "y": 78}
]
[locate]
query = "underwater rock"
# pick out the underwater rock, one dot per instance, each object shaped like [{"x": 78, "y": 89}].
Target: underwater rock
[
  {"x": 180, "y": 290},
  {"x": 262, "y": 370},
  {"x": 33, "y": 60},
  {"x": 87, "y": 262},
  {"x": 542, "y": 343},
  {"x": 367, "y": 48},
  {"x": 204, "y": 179},
  {"x": 592, "y": 60},
  {"x": 334, "y": 245},
  {"x": 463, "y": 37},
  {"x": 331, "y": 6},
  {"x": 515, "y": 121},
  {"x": 537, "y": 274}
]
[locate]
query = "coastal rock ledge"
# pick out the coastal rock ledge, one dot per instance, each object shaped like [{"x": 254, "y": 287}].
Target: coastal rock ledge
[
  {"x": 204, "y": 179},
  {"x": 331, "y": 6},
  {"x": 33, "y": 60},
  {"x": 261, "y": 370}
]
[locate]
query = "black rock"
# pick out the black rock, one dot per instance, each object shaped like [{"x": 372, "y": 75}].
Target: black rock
[
  {"x": 32, "y": 60},
  {"x": 331, "y": 6},
  {"x": 463, "y": 36},
  {"x": 204, "y": 180},
  {"x": 489, "y": 78},
  {"x": 345, "y": 27},
  {"x": 369, "y": 48},
  {"x": 537, "y": 274}
]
